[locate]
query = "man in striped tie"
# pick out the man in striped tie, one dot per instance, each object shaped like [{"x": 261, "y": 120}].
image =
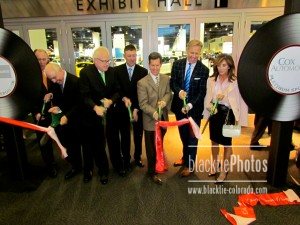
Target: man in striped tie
[{"x": 188, "y": 82}]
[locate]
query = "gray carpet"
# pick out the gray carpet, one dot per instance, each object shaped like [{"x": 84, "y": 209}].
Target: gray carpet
[{"x": 130, "y": 200}]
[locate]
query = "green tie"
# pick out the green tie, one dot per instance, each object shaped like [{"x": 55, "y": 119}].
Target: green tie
[{"x": 102, "y": 76}]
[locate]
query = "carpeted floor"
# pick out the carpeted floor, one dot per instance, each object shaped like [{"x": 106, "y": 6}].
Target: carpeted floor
[{"x": 135, "y": 199}]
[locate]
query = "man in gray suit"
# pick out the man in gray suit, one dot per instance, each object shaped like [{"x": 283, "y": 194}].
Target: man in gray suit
[{"x": 154, "y": 95}]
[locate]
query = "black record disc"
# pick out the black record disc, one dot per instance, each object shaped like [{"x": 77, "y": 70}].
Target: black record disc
[
  {"x": 269, "y": 69},
  {"x": 20, "y": 76}
]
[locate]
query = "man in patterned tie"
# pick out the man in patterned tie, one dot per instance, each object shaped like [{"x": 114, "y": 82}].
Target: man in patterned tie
[{"x": 188, "y": 82}]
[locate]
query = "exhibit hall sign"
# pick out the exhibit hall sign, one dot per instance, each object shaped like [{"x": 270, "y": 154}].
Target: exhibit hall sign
[
  {"x": 47, "y": 8},
  {"x": 153, "y": 5}
]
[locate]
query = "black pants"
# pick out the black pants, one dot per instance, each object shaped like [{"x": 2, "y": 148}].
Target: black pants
[{"x": 93, "y": 148}]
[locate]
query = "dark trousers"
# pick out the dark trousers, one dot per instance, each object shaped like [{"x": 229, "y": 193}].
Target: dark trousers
[
  {"x": 118, "y": 139},
  {"x": 189, "y": 141},
  {"x": 151, "y": 149},
  {"x": 93, "y": 148},
  {"x": 260, "y": 125},
  {"x": 138, "y": 136},
  {"x": 70, "y": 139}
]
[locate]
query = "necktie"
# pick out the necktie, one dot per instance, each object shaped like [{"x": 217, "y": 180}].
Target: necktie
[
  {"x": 130, "y": 73},
  {"x": 187, "y": 78},
  {"x": 103, "y": 76},
  {"x": 61, "y": 87},
  {"x": 157, "y": 81}
]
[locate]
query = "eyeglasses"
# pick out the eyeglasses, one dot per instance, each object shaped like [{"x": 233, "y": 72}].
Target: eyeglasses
[{"x": 104, "y": 61}]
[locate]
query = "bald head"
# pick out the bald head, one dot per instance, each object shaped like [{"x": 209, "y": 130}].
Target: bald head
[
  {"x": 101, "y": 58},
  {"x": 54, "y": 73}
]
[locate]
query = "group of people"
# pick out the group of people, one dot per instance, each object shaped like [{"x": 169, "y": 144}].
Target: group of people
[{"x": 104, "y": 103}]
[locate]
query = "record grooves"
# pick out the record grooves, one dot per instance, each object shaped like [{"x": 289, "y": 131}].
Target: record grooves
[
  {"x": 269, "y": 69},
  {"x": 20, "y": 76}
]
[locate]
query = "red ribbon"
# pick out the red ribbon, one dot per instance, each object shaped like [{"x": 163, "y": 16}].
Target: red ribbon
[
  {"x": 23, "y": 124},
  {"x": 49, "y": 130},
  {"x": 161, "y": 165}
]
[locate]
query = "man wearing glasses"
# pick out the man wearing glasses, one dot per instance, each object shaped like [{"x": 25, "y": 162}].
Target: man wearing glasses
[{"x": 99, "y": 90}]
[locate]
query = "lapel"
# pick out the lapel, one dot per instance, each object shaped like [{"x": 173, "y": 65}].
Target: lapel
[{"x": 150, "y": 81}]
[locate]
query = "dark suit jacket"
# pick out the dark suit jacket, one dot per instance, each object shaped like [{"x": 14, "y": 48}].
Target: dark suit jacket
[
  {"x": 129, "y": 88},
  {"x": 69, "y": 101},
  {"x": 197, "y": 88},
  {"x": 93, "y": 90}
]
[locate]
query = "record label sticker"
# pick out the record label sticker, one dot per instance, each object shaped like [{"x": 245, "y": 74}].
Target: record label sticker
[
  {"x": 284, "y": 71},
  {"x": 7, "y": 78}
]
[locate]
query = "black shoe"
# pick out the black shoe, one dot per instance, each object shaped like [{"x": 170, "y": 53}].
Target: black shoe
[
  {"x": 156, "y": 179},
  {"x": 52, "y": 172},
  {"x": 139, "y": 163},
  {"x": 87, "y": 176},
  {"x": 122, "y": 173},
  {"x": 104, "y": 179},
  {"x": 71, "y": 173},
  {"x": 256, "y": 146}
]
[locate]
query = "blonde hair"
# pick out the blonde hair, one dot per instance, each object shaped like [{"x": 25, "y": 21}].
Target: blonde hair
[{"x": 193, "y": 43}]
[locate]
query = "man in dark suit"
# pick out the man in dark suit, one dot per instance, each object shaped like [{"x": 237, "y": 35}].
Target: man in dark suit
[
  {"x": 44, "y": 118},
  {"x": 66, "y": 98},
  {"x": 188, "y": 82},
  {"x": 153, "y": 92},
  {"x": 99, "y": 90},
  {"x": 128, "y": 74}
]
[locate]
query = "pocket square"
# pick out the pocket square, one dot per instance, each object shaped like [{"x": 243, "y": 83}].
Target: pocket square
[{"x": 197, "y": 78}]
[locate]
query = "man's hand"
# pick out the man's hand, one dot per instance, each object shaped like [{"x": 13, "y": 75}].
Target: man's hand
[
  {"x": 155, "y": 116},
  {"x": 126, "y": 101},
  {"x": 100, "y": 110},
  {"x": 38, "y": 116},
  {"x": 63, "y": 120},
  {"x": 48, "y": 97},
  {"x": 185, "y": 109},
  {"x": 135, "y": 115},
  {"x": 161, "y": 104},
  {"x": 182, "y": 94},
  {"x": 106, "y": 102},
  {"x": 54, "y": 110}
]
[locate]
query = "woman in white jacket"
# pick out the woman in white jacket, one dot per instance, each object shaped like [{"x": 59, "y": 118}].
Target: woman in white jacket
[{"x": 222, "y": 87}]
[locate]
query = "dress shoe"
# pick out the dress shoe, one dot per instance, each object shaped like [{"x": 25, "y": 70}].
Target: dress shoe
[
  {"x": 87, "y": 176},
  {"x": 221, "y": 177},
  {"x": 71, "y": 173},
  {"x": 139, "y": 163},
  {"x": 52, "y": 172},
  {"x": 122, "y": 173},
  {"x": 178, "y": 163},
  {"x": 186, "y": 172},
  {"x": 156, "y": 179},
  {"x": 256, "y": 146},
  {"x": 103, "y": 179}
]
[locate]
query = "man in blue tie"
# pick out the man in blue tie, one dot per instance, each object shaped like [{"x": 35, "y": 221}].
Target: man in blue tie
[
  {"x": 188, "y": 82},
  {"x": 128, "y": 74}
]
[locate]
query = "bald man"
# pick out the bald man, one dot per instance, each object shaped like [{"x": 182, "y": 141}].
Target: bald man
[
  {"x": 99, "y": 90},
  {"x": 66, "y": 98}
]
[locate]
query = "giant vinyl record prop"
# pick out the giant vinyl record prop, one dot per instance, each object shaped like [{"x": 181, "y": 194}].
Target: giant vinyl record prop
[
  {"x": 20, "y": 77},
  {"x": 269, "y": 69}
]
